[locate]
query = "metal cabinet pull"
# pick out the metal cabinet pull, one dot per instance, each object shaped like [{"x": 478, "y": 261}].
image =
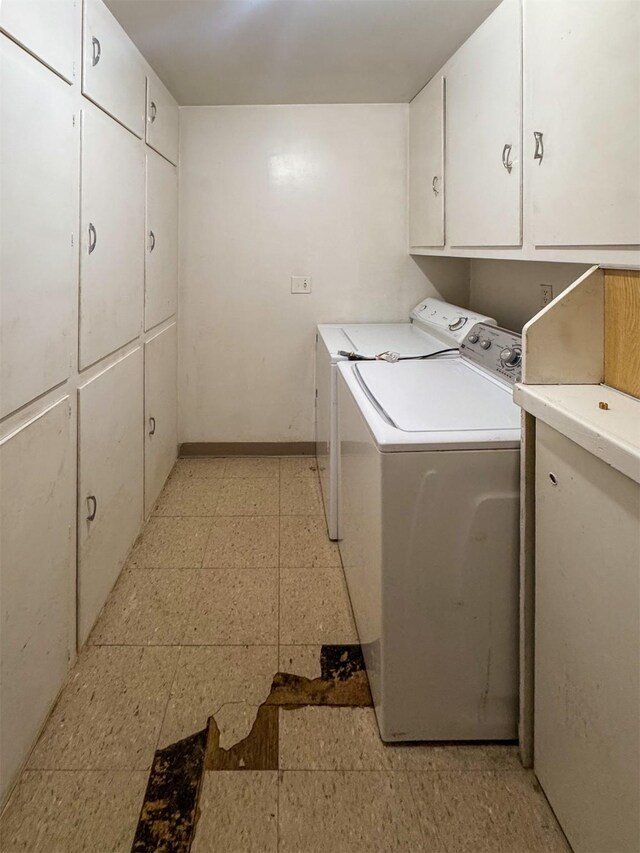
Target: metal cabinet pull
[
  {"x": 434, "y": 185},
  {"x": 92, "y": 503},
  {"x": 93, "y": 237},
  {"x": 152, "y": 424},
  {"x": 538, "y": 154},
  {"x": 506, "y": 157},
  {"x": 96, "y": 51},
  {"x": 152, "y": 241},
  {"x": 153, "y": 110}
]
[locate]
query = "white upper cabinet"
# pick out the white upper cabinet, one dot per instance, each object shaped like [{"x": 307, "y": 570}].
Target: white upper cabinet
[
  {"x": 426, "y": 164},
  {"x": 161, "y": 264},
  {"x": 110, "y": 481},
  {"x": 38, "y": 578},
  {"x": 160, "y": 402},
  {"x": 484, "y": 108},
  {"x": 582, "y": 102},
  {"x": 162, "y": 119},
  {"x": 113, "y": 74},
  {"x": 112, "y": 237},
  {"x": 50, "y": 29},
  {"x": 39, "y": 150}
]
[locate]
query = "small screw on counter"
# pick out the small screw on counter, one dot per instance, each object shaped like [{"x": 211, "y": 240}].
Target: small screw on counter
[{"x": 602, "y": 405}]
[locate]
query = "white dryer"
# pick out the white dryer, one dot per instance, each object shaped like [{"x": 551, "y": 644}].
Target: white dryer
[
  {"x": 433, "y": 325},
  {"x": 430, "y": 536}
]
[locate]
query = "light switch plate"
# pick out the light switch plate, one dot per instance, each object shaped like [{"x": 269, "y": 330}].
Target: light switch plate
[{"x": 300, "y": 284}]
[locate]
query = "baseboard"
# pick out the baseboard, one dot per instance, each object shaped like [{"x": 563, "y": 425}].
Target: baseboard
[{"x": 248, "y": 448}]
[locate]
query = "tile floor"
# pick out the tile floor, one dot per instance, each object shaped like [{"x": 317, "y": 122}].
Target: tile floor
[{"x": 232, "y": 580}]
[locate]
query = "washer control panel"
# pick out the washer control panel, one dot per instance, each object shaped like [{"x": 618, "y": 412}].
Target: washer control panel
[
  {"x": 496, "y": 350},
  {"x": 451, "y": 321}
]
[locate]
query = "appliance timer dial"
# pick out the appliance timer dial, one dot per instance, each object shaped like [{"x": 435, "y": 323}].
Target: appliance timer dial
[
  {"x": 457, "y": 324},
  {"x": 511, "y": 356}
]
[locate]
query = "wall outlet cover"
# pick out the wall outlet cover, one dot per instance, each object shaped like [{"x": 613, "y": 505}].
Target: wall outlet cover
[{"x": 300, "y": 284}]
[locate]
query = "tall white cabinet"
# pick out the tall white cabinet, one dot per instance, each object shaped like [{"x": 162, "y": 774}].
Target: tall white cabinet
[
  {"x": 160, "y": 406},
  {"x": 161, "y": 257},
  {"x": 112, "y": 244},
  {"x": 37, "y": 576},
  {"x": 77, "y": 206},
  {"x": 39, "y": 154},
  {"x": 110, "y": 480}
]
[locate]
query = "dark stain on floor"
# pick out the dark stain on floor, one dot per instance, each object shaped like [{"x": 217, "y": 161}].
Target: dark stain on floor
[{"x": 170, "y": 810}]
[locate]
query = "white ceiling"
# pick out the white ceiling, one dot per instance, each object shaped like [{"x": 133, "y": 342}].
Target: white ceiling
[{"x": 298, "y": 51}]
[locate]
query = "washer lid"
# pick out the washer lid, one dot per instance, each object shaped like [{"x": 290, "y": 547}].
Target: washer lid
[
  {"x": 403, "y": 338},
  {"x": 438, "y": 396}
]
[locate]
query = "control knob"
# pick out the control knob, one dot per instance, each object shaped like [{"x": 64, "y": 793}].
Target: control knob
[
  {"x": 457, "y": 324},
  {"x": 474, "y": 338},
  {"x": 485, "y": 344},
  {"x": 511, "y": 356}
]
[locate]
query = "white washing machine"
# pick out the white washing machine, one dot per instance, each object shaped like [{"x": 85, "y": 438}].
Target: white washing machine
[
  {"x": 433, "y": 325},
  {"x": 430, "y": 536}
]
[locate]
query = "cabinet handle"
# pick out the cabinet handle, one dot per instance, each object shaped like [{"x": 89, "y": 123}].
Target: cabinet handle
[
  {"x": 96, "y": 51},
  {"x": 553, "y": 478},
  {"x": 93, "y": 237},
  {"x": 152, "y": 241},
  {"x": 506, "y": 155},
  {"x": 538, "y": 154},
  {"x": 152, "y": 424},
  {"x": 92, "y": 503},
  {"x": 434, "y": 185},
  {"x": 153, "y": 110}
]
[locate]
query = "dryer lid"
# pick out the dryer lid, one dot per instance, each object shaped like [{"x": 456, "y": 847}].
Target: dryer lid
[{"x": 445, "y": 395}]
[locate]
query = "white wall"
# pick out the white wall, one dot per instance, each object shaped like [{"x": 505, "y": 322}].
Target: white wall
[
  {"x": 510, "y": 290},
  {"x": 268, "y": 192}
]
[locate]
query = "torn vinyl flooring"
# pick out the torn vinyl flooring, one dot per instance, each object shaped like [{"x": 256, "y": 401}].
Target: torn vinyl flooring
[{"x": 169, "y": 815}]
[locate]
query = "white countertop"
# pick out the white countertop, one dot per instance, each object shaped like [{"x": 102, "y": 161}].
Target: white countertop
[{"x": 612, "y": 434}]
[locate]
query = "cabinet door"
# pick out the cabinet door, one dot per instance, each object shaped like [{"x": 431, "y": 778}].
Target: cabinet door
[
  {"x": 37, "y": 578},
  {"x": 50, "y": 29},
  {"x": 426, "y": 159},
  {"x": 110, "y": 481},
  {"x": 113, "y": 73},
  {"x": 162, "y": 119},
  {"x": 161, "y": 264},
  {"x": 39, "y": 214},
  {"x": 160, "y": 395},
  {"x": 582, "y": 96},
  {"x": 587, "y": 636},
  {"x": 112, "y": 237},
  {"x": 484, "y": 109}
]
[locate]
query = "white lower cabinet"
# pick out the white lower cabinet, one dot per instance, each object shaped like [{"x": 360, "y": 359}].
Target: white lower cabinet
[
  {"x": 426, "y": 165},
  {"x": 112, "y": 237},
  {"x": 161, "y": 259},
  {"x": 50, "y": 29},
  {"x": 582, "y": 121},
  {"x": 37, "y": 578},
  {"x": 484, "y": 114},
  {"x": 110, "y": 480},
  {"x": 39, "y": 150},
  {"x": 587, "y": 637},
  {"x": 160, "y": 395}
]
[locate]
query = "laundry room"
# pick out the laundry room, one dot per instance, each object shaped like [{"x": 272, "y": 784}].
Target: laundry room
[{"x": 319, "y": 426}]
